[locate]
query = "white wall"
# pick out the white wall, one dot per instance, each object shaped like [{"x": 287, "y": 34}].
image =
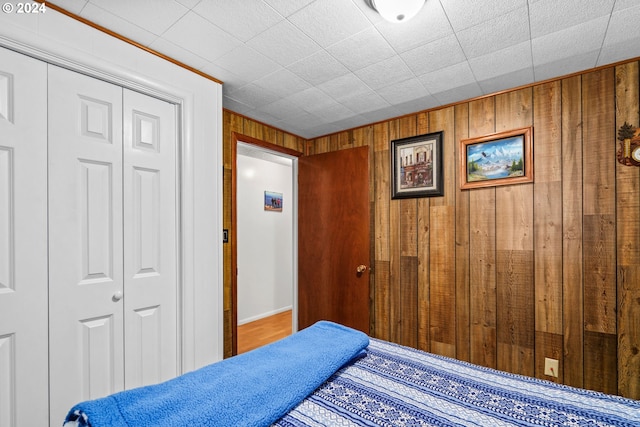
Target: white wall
[{"x": 264, "y": 238}]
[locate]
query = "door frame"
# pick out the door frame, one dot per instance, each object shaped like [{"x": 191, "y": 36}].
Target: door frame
[
  {"x": 199, "y": 161},
  {"x": 279, "y": 151}
]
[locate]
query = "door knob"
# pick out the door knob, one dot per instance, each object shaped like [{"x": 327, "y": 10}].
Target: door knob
[
  {"x": 361, "y": 268},
  {"x": 117, "y": 296}
]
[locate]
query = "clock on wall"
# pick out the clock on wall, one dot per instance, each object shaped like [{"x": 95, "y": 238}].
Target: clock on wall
[{"x": 635, "y": 155}]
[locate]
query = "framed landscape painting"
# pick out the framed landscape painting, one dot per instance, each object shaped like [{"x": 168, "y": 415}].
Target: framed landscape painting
[{"x": 498, "y": 159}]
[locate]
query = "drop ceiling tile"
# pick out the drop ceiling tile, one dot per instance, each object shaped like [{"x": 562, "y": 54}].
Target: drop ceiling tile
[
  {"x": 624, "y": 4},
  {"x": 464, "y": 14},
  {"x": 252, "y": 64},
  {"x": 362, "y": 49},
  {"x": 242, "y": 19},
  {"x": 253, "y": 95},
  {"x": 418, "y": 104},
  {"x": 179, "y": 53},
  {"x": 73, "y": 6},
  {"x": 311, "y": 99},
  {"x": 566, "y": 65},
  {"x": 333, "y": 113},
  {"x": 236, "y": 106},
  {"x": 379, "y": 115},
  {"x": 189, "y": 4},
  {"x": 428, "y": 25},
  {"x": 511, "y": 59},
  {"x": 280, "y": 109},
  {"x": 554, "y": 46},
  {"x": 506, "y": 81},
  {"x": 270, "y": 43},
  {"x": 365, "y": 102},
  {"x": 287, "y": 7},
  {"x": 321, "y": 129},
  {"x": 283, "y": 82},
  {"x": 352, "y": 122},
  {"x": 343, "y": 87},
  {"x": 472, "y": 90},
  {"x": 390, "y": 71},
  {"x": 318, "y": 68},
  {"x": 621, "y": 39},
  {"x": 405, "y": 91},
  {"x": 329, "y": 21},
  {"x": 550, "y": 16},
  {"x": 231, "y": 81},
  {"x": 196, "y": 33},
  {"x": 117, "y": 24},
  {"x": 440, "y": 80},
  {"x": 498, "y": 33},
  {"x": 434, "y": 55},
  {"x": 155, "y": 16}
]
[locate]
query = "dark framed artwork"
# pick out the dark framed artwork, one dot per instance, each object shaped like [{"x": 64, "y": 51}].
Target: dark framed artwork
[
  {"x": 502, "y": 158},
  {"x": 416, "y": 166}
]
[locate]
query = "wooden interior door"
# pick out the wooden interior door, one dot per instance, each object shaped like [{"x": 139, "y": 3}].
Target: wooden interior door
[{"x": 333, "y": 238}]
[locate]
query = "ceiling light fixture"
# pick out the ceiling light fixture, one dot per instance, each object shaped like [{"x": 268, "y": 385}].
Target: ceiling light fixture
[{"x": 397, "y": 11}]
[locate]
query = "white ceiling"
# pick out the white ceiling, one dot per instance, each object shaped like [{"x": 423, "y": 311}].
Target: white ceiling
[{"x": 314, "y": 67}]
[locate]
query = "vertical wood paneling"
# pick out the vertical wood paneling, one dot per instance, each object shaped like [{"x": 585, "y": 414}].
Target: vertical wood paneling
[
  {"x": 424, "y": 251},
  {"x": 408, "y": 283},
  {"x": 442, "y": 289},
  {"x": 382, "y": 299},
  {"x": 514, "y": 251},
  {"x": 628, "y": 240},
  {"x": 599, "y": 229},
  {"x": 572, "y": 258},
  {"x": 395, "y": 224},
  {"x": 482, "y": 244},
  {"x": 548, "y": 225},
  {"x": 462, "y": 255}
]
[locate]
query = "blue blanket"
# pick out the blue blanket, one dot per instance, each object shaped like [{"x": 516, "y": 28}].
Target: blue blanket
[{"x": 252, "y": 389}]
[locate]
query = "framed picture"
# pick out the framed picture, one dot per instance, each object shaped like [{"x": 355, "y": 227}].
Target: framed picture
[
  {"x": 272, "y": 201},
  {"x": 498, "y": 159},
  {"x": 416, "y": 166}
]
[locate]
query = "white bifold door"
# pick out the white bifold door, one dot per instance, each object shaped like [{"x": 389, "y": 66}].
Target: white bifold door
[
  {"x": 113, "y": 251},
  {"x": 23, "y": 241}
]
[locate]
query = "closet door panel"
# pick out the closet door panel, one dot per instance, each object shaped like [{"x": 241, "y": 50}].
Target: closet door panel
[
  {"x": 85, "y": 239},
  {"x": 150, "y": 240},
  {"x": 23, "y": 241}
]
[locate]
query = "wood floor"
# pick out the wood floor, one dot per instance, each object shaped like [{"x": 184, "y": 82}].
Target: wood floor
[{"x": 263, "y": 331}]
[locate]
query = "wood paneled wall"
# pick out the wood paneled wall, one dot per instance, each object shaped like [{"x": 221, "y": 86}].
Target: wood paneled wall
[{"x": 506, "y": 276}]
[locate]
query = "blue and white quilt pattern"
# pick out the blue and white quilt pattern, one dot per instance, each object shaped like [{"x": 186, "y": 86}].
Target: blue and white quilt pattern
[{"x": 399, "y": 386}]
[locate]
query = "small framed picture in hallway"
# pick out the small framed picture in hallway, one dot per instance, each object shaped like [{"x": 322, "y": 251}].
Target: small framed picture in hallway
[{"x": 272, "y": 201}]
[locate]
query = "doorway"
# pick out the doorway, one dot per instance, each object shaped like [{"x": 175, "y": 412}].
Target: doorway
[{"x": 264, "y": 234}]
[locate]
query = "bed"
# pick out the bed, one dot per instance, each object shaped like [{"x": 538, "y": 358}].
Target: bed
[{"x": 330, "y": 375}]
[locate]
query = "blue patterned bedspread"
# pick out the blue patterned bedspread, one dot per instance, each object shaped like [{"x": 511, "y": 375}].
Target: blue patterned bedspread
[{"x": 400, "y": 386}]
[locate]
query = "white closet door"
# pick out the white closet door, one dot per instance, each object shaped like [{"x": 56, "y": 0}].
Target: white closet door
[
  {"x": 150, "y": 252},
  {"x": 23, "y": 241},
  {"x": 85, "y": 240}
]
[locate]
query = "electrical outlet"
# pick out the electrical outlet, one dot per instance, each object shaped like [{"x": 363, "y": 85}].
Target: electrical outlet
[{"x": 551, "y": 367}]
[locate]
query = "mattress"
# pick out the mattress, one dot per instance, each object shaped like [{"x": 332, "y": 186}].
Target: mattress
[{"x": 394, "y": 385}]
